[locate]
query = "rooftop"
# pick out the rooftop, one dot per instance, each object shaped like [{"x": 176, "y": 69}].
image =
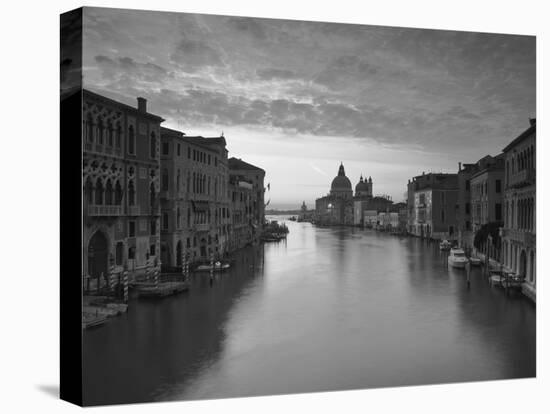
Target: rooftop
[{"x": 238, "y": 164}]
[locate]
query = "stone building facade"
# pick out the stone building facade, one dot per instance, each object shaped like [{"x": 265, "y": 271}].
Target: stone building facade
[
  {"x": 120, "y": 183},
  {"x": 246, "y": 201},
  {"x": 433, "y": 198},
  {"x": 519, "y": 231},
  {"x": 194, "y": 197},
  {"x": 486, "y": 192}
]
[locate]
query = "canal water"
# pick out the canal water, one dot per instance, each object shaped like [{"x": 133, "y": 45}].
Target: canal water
[{"x": 327, "y": 309}]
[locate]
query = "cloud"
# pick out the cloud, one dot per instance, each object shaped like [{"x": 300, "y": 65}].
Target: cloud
[
  {"x": 437, "y": 90},
  {"x": 193, "y": 55},
  {"x": 126, "y": 68},
  {"x": 273, "y": 73},
  {"x": 249, "y": 26}
]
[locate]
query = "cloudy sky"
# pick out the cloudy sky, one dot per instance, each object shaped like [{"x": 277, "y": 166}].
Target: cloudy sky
[{"x": 297, "y": 98}]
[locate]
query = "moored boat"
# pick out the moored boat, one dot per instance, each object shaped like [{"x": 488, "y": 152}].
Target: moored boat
[
  {"x": 457, "y": 258},
  {"x": 218, "y": 267},
  {"x": 445, "y": 245}
]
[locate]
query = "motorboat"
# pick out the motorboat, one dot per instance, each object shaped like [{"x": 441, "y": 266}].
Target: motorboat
[
  {"x": 505, "y": 279},
  {"x": 445, "y": 245},
  {"x": 475, "y": 261},
  {"x": 218, "y": 267},
  {"x": 457, "y": 258}
]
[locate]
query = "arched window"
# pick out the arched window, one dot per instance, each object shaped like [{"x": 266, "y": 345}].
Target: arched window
[
  {"x": 118, "y": 141},
  {"x": 89, "y": 191},
  {"x": 131, "y": 140},
  {"x": 110, "y": 134},
  {"x": 153, "y": 143},
  {"x": 152, "y": 195},
  {"x": 108, "y": 193},
  {"x": 90, "y": 129},
  {"x": 131, "y": 193},
  {"x": 165, "y": 180},
  {"x": 118, "y": 194},
  {"x": 99, "y": 192},
  {"x": 100, "y": 131}
]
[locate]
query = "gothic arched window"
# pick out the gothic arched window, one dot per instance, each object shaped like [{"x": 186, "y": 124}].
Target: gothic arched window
[
  {"x": 118, "y": 194},
  {"x": 131, "y": 193},
  {"x": 131, "y": 140},
  {"x": 99, "y": 192},
  {"x": 153, "y": 142},
  {"x": 108, "y": 193}
]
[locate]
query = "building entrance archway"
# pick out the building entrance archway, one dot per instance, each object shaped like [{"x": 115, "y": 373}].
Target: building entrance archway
[
  {"x": 98, "y": 255},
  {"x": 522, "y": 270}
]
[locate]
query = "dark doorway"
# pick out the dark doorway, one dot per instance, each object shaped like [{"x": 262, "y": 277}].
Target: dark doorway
[
  {"x": 179, "y": 254},
  {"x": 522, "y": 264},
  {"x": 98, "y": 255}
]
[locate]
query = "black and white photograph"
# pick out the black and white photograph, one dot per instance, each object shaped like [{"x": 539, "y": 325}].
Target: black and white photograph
[{"x": 277, "y": 206}]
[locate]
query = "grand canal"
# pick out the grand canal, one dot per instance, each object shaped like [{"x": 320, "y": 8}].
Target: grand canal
[{"x": 329, "y": 309}]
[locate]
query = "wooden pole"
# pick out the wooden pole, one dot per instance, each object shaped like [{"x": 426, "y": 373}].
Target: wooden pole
[
  {"x": 211, "y": 268},
  {"x": 468, "y": 273},
  {"x": 125, "y": 282}
]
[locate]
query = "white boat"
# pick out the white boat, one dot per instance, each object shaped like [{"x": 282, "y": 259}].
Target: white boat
[
  {"x": 218, "y": 267},
  {"x": 445, "y": 245},
  {"x": 475, "y": 261},
  {"x": 457, "y": 258}
]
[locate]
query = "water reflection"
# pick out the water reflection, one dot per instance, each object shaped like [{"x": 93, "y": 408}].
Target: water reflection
[{"x": 330, "y": 309}]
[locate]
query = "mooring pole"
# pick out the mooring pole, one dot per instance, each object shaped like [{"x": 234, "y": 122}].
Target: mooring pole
[
  {"x": 211, "y": 268},
  {"x": 468, "y": 273},
  {"x": 125, "y": 282}
]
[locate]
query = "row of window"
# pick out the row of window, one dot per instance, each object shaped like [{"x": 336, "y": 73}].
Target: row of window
[
  {"x": 520, "y": 214},
  {"x": 523, "y": 160},
  {"x": 197, "y": 183},
  {"x": 192, "y": 154},
  {"x": 481, "y": 213},
  {"x": 112, "y": 137},
  {"x": 482, "y": 189},
  {"x": 109, "y": 194},
  {"x": 198, "y": 217}
]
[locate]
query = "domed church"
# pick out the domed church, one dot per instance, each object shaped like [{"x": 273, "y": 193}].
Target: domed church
[
  {"x": 341, "y": 185},
  {"x": 336, "y": 208}
]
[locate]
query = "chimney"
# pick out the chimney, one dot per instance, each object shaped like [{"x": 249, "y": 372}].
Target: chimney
[
  {"x": 459, "y": 166},
  {"x": 142, "y": 104}
]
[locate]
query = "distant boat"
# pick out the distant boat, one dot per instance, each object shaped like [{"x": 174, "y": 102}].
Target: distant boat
[
  {"x": 457, "y": 258},
  {"x": 218, "y": 267},
  {"x": 445, "y": 245}
]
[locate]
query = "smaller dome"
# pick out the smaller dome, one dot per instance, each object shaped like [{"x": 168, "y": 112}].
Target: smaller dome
[{"x": 361, "y": 186}]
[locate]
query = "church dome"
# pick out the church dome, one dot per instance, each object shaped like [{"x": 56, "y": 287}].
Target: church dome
[
  {"x": 341, "y": 182},
  {"x": 361, "y": 186}
]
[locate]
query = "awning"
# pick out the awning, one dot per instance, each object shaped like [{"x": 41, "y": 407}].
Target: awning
[{"x": 200, "y": 205}]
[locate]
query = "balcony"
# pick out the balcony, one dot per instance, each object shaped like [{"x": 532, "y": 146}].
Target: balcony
[
  {"x": 134, "y": 210},
  {"x": 522, "y": 178},
  {"x": 202, "y": 227},
  {"x": 104, "y": 211},
  {"x": 521, "y": 236}
]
